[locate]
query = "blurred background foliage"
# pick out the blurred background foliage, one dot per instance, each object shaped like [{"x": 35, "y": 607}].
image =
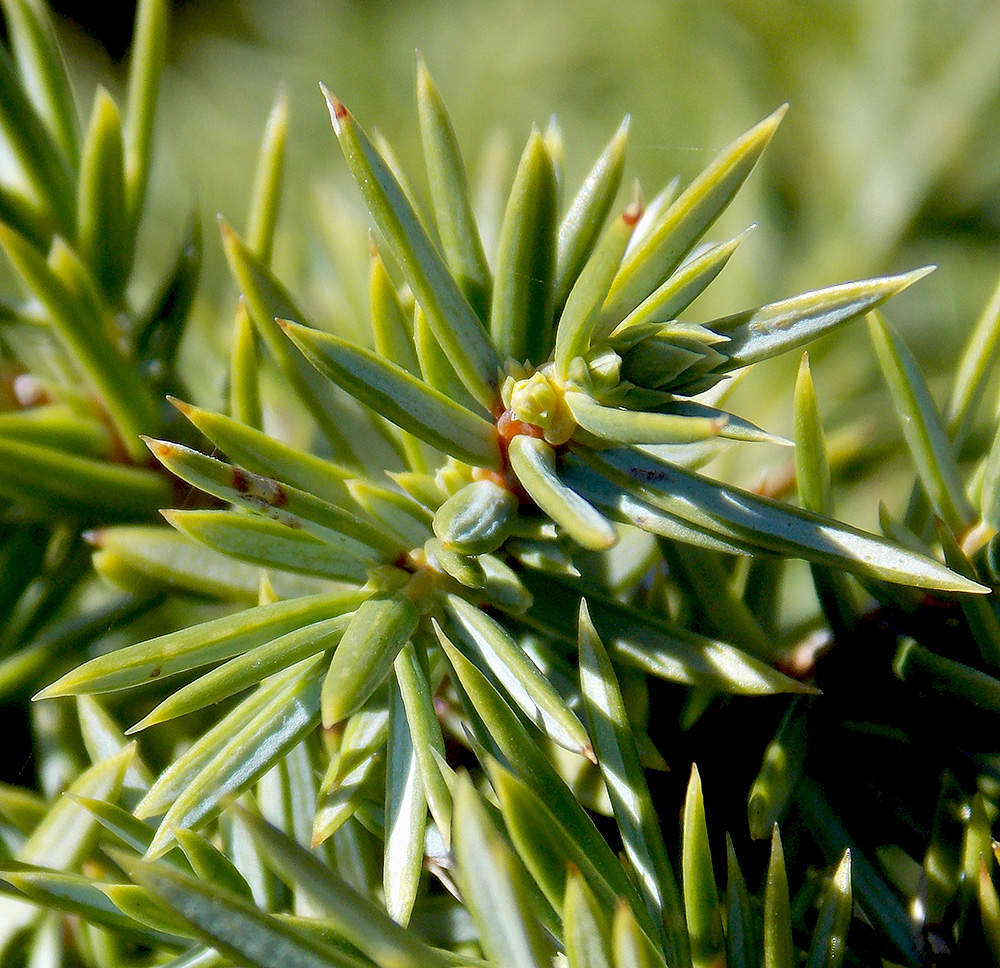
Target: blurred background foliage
[{"x": 887, "y": 160}]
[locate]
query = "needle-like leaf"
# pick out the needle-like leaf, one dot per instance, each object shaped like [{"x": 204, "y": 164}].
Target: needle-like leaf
[
  {"x": 449, "y": 185},
  {"x": 269, "y": 300},
  {"x": 926, "y": 437},
  {"x": 494, "y": 886},
  {"x": 768, "y": 525},
  {"x": 158, "y": 330},
  {"x": 41, "y": 66},
  {"x": 778, "y": 327},
  {"x": 812, "y": 466},
  {"x": 524, "y": 682},
  {"x": 741, "y": 925},
  {"x": 405, "y": 814},
  {"x": 511, "y": 740},
  {"x": 274, "y": 545},
  {"x": 778, "y": 950},
  {"x": 620, "y": 426},
  {"x": 547, "y": 848},
  {"x": 45, "y": 168},
  {"x": 979, "y": 610},
  {"x": 534, "y": 462},
  {"x": 425, "y": 728},
  {"x": 585, "y": 216},
  {"x": 262, "y": 454},
  {"x": 701, "y": 897},
  {"x": 379, "y": 629},
  {"x": 630, "y": 946},
  {"x": 618, "y": 758},
  {"x": 143, "y": 907},
  {"x": 579, "y": 317},
  {"x": 278, "y": 501},
  {"x": 521, "y": 320},
  {"x": 76, "y": 894},
  {"x": 244, "y": 370},
  {"x": 454, "y": 322},
  {"x": 267, "y": 181},
  {"x": 248, "y": 669},
  {"x": 829, "y": 943},
  {"x": 353, "y": 774},
  {"x": 989, "y": 906},
  {"x": 149, "y": 50},
  {"x": 391, "y": 332},
  {"x": 586, "y": 931},
  {"x": 199, "y": 645},
  {"x": 70, "y": 483},
  {"x": 658, "y": 254},
  {"x": 682, "y": 288},
  {"x": 646, "y": 642},
  {"x": 63, "y": 838},
  {"x": 871, "y": 891},
  {"x": 355, "y": 917},
  {"x": 102, "y": 223},
  {"x": 621, "y": 506},
  {"x": 919, "y": 665},
  {"x": 435, "y": 366},
  {"x": 772, "y": 789},
  {"x": 210, "y": 864},
  {"x": 408, "y": 402},
  {"x": 66, "y": 290},
  {"x": 235, "y": 926},
  {"x": 126, "y": 828},
  {"x": 238, "y": 750},
  {"x": 978, "y": 358},
  {"x": 398, "y": 513}
]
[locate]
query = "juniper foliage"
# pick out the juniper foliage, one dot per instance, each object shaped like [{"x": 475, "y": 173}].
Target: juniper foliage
[{"x": 405, "y": 695}]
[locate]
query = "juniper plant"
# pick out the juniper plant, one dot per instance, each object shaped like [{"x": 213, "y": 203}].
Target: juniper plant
[{"x": 399, "y": 694}]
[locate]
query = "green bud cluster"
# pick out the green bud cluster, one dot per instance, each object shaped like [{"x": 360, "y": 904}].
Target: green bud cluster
[{"x": 539, "y": 400}]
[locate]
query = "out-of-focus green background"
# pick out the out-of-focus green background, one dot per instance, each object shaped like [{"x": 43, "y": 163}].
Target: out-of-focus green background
[{"x": 889, "y": 157}]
